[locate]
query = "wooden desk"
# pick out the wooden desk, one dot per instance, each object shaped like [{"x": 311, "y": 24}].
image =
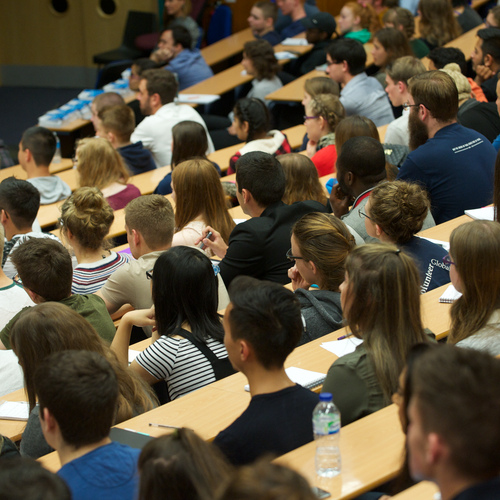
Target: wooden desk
[
  {"x": 18, "y": 172},
  {"x": 294, "y": 91},
  {"x": 443, "y": 231},
  {"x": 371, "y": 449},
  {"x": 13, "y": 429},
  {"x": 424, "y": 490},
  {"x": 227, "y": 47}
]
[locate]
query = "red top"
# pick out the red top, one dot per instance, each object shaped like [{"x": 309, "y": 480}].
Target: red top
[{"x": 324, "y": 160}]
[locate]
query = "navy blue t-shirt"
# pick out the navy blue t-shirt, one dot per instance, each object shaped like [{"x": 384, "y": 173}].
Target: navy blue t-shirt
[
  {"x": 429, "y": 258},
  {"x": 456, "y": 168}
]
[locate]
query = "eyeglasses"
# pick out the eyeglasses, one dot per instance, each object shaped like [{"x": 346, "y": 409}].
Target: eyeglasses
[
  {"x": 362, "y": 215},
  {"x": 447, "y": 260},
  {"x": 310, "y": 117},
  {"x": 291, "y": 257},
  {"x": 149, "y": 274},
  {"x": 407, "y": 106}
]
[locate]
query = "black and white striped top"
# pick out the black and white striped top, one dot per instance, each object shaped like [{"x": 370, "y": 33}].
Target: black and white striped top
[{"x": 180, "y": 363}]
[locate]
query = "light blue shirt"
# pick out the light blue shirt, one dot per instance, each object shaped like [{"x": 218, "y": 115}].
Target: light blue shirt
[{"x": 364, "y": 96}]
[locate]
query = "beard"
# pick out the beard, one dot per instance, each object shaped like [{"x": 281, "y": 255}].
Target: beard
[{"x": 418, "y": 131}]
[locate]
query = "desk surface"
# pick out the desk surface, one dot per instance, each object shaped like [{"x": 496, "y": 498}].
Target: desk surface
[
  {"x": 443, "y": 231},
  {"x": 371, "y": 450},
  {"x": 227, "y": 47},
  {"x": 18, "y": 172}
]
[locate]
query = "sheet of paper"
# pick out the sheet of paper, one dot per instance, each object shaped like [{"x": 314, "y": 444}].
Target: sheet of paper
[
  {"x": 342, "y": 347},
  {"x": 485, "y": 213},
  {"x": 132, "y": 354},
  {"x": 444, "y": 244},
  {"x": 285, "y": 55},
  {"x": 197, "y": 98},
  {"x": 14, "y": 410},
  {"x": 450, "y": 295},
  {"x": 295, "y": 42}
]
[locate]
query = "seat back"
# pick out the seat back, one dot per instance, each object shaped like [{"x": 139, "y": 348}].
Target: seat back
[
  {"x": 220, "y": 24},
  {"x": 138, "y": 23}
]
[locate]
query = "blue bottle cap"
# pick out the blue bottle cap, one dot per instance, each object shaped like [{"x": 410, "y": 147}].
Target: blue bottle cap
[{"x": 325, "y": 396}]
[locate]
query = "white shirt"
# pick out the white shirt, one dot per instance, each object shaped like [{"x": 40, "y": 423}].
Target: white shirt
[
  {"x": 397, "y": 131},
  {"x": 155, "y": 131}
]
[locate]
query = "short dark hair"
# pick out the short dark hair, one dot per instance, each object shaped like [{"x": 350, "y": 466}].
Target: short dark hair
[
  {"x": 161, "y": 82},
  {"x": 269, "y": 9},
  {"x": 144, "y": 63},
  {"x": 181, "y": 35},
  {"x": 262, "y": 175},
  {"x": 441, "y": 56},
  {"x": 23, "y": 478},
  {"x": 457, "y": 392},
  {"x": 45, "y": 268},
  {"x": 491, "y": 42},
  {"x": 364, "y": 157},
  {"x": 351, "y": 51},
  {"x": 437, "y": 91},
  {"x": 21, "y": 200},
  {"x": 80, "y": 389},
  {"x": 267, "y": 316},
  {"x": 41, "y": 143}
]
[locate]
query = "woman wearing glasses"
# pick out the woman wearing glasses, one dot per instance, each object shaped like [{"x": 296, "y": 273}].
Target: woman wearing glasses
[
  {"x": 320, "y": 244},
  {"x": 187, "y": 349},
  {"x": 474, "y": 271},
  {"x": 395, "y": 212},
  {"x": 323, "y": 114}
]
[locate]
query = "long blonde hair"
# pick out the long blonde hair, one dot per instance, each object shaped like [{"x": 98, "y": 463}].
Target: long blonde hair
[
  {"x": 475, "y": 247},
  {"x": 99, "y": 164},
  {"x": 199, "y": 192},
  {"x": 384, "y": 290}
]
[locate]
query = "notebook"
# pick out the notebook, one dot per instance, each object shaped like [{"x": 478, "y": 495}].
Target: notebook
[
  {"x": 450, "y": 295},
  {"x": 485, "y": 213},
  {"x": 305, "y": 378},
  {"x": 14, "y": 410}
]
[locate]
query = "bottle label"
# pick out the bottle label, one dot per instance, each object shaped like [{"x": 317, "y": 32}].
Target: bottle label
[{"x": 326, "y": 424}]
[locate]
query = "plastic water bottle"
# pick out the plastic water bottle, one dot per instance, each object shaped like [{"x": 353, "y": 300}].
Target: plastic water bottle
[
  {"x": 57, "y": 154},
  {"x": 326, "y": 427}
]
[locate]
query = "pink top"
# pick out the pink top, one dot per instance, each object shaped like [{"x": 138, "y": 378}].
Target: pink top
[{"x": 121, "y": 199}]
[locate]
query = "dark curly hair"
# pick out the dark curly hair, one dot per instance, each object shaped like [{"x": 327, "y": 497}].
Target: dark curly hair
[{"x": 261, "y": 53}]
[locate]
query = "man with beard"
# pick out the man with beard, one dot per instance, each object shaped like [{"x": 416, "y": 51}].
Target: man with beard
[
  {"x": 486, "y": 61},
  {"x": 157, "y": 90},
  {"x": 453, "y": 163}
]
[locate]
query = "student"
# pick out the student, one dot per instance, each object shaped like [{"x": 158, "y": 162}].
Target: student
[
  {"x": 102, "y": 101},
  {"x": 138, "y": 66},
  {"x": 177, "y": 13},
  {"x": 467, "y": 17},
  {"x": 455, "y": 392},
  {"x": 100, "y": 165},
  {"x": 446, "y": 175},
  {"x": 493, "y": 18},
  {"x": 323, "y": 114},
  {"x": 319, "y": 85},
  {"x": 261, "y": 20},
  {"x": 26, "y": 479},
  {"x": 302, "y": 181},
  {"x": 319, "y": 31},
  {"x": 395, "y": 213},
  {"x": 117, "y": 124},
  {"x": 438, "y": 24},
  {"x": 358, "y": 21},
  {"x": 361, "y": 94},
  {"x": 295, "y": 10},
  {"x": 51, "y": 327},
  {"x": 381, "y": 303},
  {"x": 36, "y": 150},
  {"x": 77, "y": 392},
  {"x": 86, "y": 218},
  {"x": 260, "y": 62},
  {"x": 19, "y": 204},
  {"x": 181, "y": 465},
  {"x": 258, "y": 246},
  {"x": 157, "y": 91},
  {"x": 320, "y": 244},
  {"x": 45, "y": 270},
  {"x": 187, "y": 349},
  {"x": 485, "y": 60},
  {"x": 199, "y": 202},
  {"x": 403, "y": 20},
  {"x": 267, "y": 480},
  {"x": 189, "y": 140},
  {"x": 397, "y": 75},
  {"x": 175, "y": 52},
  {"x": 262, "y": 326},
  {"x": 475, "y": 316},
  {"x": 389, "y": 44},
  {"x": 251, "y": 123}
]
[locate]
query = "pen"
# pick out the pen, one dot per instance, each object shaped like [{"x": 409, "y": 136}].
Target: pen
[
  {"x": 342, "y": 337},
  {"x": 163, "y": 425}
]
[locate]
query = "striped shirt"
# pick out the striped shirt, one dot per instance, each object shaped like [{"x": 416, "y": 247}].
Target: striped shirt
[
  {"x": 90, "y": 277},
  {"x": 181, "y": 364}
]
